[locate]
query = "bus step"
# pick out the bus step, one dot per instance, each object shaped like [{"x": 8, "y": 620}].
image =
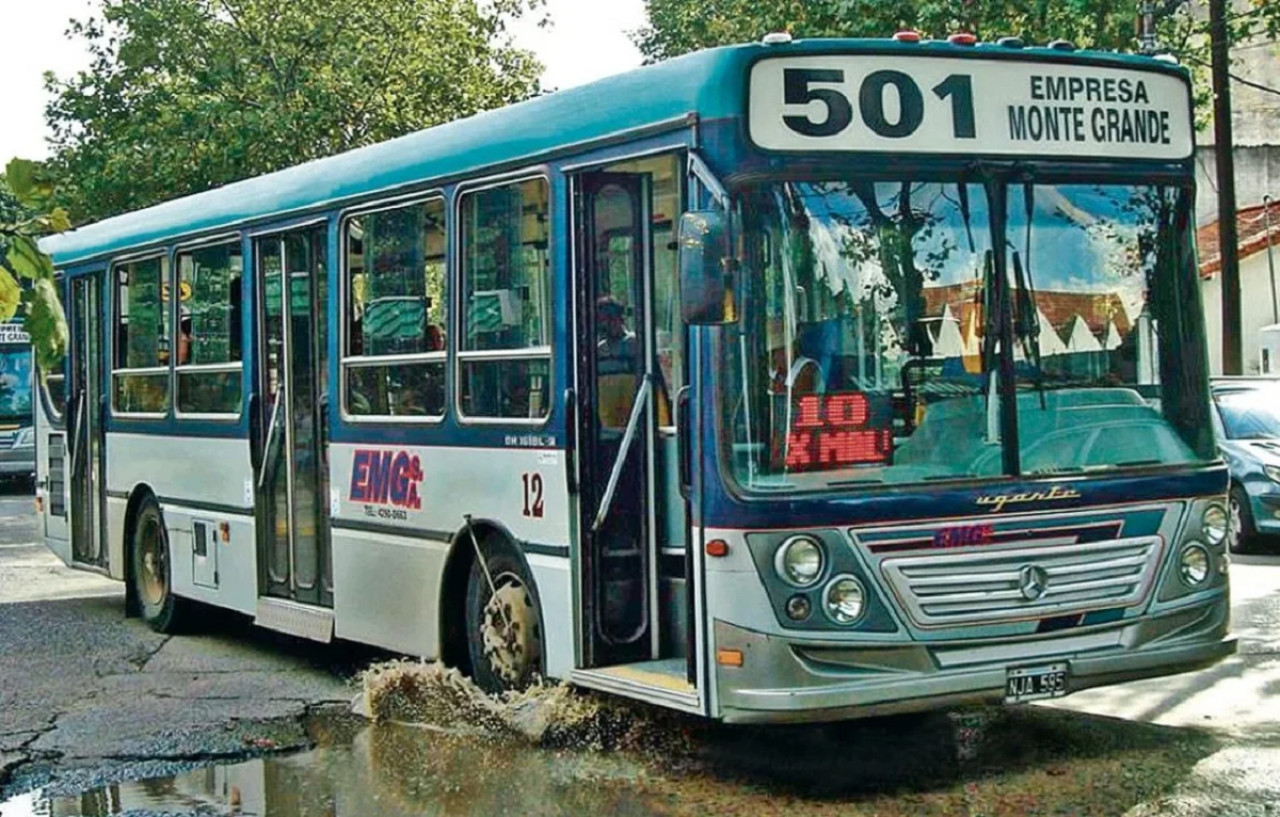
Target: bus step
[
  {"x": 302, "y": 620},
  {"x": 650, "y": 681}
]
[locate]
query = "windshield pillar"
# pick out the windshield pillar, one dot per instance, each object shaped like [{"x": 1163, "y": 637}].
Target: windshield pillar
[{"x": 998, "y": 195}]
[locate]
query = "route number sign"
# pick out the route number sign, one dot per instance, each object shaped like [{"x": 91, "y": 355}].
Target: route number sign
[{"x": 968, "y": 106}]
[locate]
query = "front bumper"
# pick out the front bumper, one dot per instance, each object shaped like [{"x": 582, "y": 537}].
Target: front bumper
[
  {"x": 1265, "y": 508},
  {"x": 784, "y": 680}
]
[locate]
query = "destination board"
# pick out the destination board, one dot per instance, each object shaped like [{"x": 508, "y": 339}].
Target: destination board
[
  {"x": 967, "y": 106},
  {"x": 13, "y": 332}
]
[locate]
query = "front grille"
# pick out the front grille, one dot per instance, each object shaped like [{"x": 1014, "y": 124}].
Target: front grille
[{"x": 984, "y": 587}]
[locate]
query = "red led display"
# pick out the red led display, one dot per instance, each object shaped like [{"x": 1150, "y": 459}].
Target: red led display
[{"x": 833, "y": 430}]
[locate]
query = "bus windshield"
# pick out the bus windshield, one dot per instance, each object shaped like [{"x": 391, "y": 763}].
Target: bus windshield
[
  {"x": 15, "y": 383},
  {"x": 876, "y": 322}
]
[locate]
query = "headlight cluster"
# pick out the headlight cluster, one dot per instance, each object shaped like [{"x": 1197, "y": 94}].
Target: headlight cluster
[
  {"x": 1195, "y": 561},
  {"x": 801, "y": 562},
  {"x": 1272, "y": 472}
]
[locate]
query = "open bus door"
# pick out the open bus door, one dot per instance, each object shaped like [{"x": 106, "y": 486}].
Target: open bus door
[
  {"x": 636, "y": 624},
  {"x": 85, "y": 448}
]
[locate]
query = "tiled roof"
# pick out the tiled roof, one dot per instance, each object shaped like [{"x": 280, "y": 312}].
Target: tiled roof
[
  {"x": 1096, "y": 308},
  {"x": 1251, "y": 229}
]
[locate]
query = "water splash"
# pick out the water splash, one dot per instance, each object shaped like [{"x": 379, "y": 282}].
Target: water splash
[{"x": 553, "y": 715}]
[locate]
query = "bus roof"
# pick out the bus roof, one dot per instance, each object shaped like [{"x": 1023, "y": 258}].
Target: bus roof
[{"x": 707, "y": 83}]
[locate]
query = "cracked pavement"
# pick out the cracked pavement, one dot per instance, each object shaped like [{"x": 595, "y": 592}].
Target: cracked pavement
[{"x": 83, "y": 688}]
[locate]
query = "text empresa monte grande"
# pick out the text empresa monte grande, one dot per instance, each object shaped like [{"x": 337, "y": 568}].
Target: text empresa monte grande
[{"x": 1089, "y": 109}]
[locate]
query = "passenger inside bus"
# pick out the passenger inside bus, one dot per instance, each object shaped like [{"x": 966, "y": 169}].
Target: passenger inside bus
[{"x": 617, "y": 364}]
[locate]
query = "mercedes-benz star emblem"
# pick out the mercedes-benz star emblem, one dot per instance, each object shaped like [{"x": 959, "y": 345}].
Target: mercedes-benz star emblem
[{"x": 1033, "y": 581}]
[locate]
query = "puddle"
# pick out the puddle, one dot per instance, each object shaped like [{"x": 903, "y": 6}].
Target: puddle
[{"x": 387, "y": 770}]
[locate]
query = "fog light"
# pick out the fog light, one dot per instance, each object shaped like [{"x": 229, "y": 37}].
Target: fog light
[
  {"x": 798, "y": 607},
  {"x": 1214, "y": 524},
  {"x": 799, "y": 561},
  {"x": 1194, "y": 564},
  {"x": 844, "y": 600}
]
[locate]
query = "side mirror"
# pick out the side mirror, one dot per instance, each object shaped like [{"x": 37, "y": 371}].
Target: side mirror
[{"x": 707, "y": 272}]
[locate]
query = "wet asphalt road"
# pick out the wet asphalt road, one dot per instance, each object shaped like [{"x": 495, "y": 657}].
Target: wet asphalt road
[
  {"x": 83, "y": 688},
  {"x": 88, "y": 697}
]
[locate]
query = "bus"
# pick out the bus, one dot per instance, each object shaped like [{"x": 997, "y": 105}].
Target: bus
[
  {"x": 787, "y": 381},
  {"x": 17, "y": 431}
]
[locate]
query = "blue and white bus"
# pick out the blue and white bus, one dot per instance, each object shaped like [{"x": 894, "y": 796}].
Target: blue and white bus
[
  {"x": 779, "y": 382},
  {"x": 17, "y": 432}
]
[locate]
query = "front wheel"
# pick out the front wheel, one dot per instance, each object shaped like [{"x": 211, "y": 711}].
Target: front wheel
[
  {"x": 1241, "y": 531},
  {"x": 152, "y": 571},
  {"x": 504, "y": 627}
]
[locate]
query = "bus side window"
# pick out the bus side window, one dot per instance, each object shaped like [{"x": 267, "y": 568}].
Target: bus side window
[
  {"x": 396, "y": 319},
  {"x": 506, "y": 302},
  {"x": 209, "y": 324},
  {"x": 140, "y": 377}
]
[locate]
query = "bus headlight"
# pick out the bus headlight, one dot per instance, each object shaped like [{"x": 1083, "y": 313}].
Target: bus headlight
[
  {"x": 799, "y": 561},
  {"x": 1193, "y": 564},
  {"x": 845, "y": 600},
  {"x": 1214, "y": 524}
]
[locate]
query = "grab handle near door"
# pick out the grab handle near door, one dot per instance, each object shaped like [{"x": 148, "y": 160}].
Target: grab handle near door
[
  {"x": 571, "y": 440},
  {"x": 628, "y": 437},
  {"x": 255, "y": 432},
  {"x": 271, "y": 436},
  {"x": 76, "y": 443},
  {"x": 684, "y": 449}
]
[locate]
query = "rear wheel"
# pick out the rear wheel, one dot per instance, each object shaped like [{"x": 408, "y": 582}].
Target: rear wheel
[
  {"x": 152, "y": 571},
  {"x": 1241, "y": 532},
  {"x": 504, "y": 626}
]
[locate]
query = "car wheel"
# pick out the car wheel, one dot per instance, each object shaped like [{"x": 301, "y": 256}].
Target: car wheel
[{"x": 1240, "y": 531}]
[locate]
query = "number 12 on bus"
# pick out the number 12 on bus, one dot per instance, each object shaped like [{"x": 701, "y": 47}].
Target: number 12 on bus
[{"x": 779, "y": 382}]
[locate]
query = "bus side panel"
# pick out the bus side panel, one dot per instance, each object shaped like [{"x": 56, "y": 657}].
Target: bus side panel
[
  {"x": 220, "y": 572},
  {"x": 52, "y": 486},
  {"x": 387, "y": 584},
  {"x": 386, "y": 590},
  {"x": 197, "y": 480}
]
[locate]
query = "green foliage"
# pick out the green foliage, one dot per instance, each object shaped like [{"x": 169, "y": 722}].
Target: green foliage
[
  {"x": 679, "y": 26},
  {"x": 26, "y": 274},
  {"x": 185, "y": 95}
]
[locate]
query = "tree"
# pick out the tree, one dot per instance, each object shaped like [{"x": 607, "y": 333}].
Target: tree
[
  {"x": 26, "y": 274},
  {"x": 185, "y": 95},
  {"x": 679, "y": 26}
]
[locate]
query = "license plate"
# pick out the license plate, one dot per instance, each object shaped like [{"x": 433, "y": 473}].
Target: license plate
[{"x": 1033, "y": 683}]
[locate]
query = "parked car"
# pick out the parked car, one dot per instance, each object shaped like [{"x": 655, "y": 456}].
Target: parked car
[{"x": 1246, "y": 420}]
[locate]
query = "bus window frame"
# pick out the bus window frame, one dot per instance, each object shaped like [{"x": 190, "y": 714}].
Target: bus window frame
[
  {"x": 346, "y": 361},
  {"x": 174, "y": 322},
  {"x": 166, "y": 256},
  {"x": 547, "y": 352},
  {"x": 57, "y": 416}
]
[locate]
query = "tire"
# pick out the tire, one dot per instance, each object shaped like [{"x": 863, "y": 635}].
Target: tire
[
  {"x": 504, "y": 641},
  {"x": 152, "y": 570},
  {"x": 1241, "y": 531}
]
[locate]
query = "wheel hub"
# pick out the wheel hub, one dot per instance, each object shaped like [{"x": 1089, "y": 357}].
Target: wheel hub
[
  {"x": 509, "y": 632},
  {"x": 153, "y": 568}
]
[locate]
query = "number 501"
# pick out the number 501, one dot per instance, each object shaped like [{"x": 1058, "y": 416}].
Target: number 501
[{"x": 798, "y": 89}]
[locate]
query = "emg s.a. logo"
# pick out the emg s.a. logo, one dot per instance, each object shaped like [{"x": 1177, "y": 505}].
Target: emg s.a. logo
[{"x": 386, "y": 478}]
